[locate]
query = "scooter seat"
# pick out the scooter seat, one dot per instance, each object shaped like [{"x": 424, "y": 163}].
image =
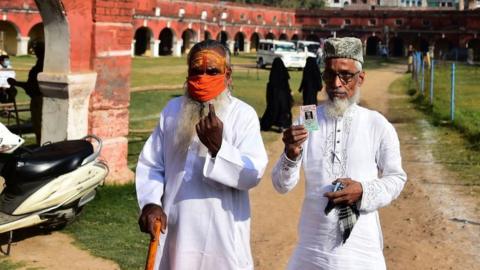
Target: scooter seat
[
  {"x": 28, "y": 171},
  {"x": 52, "y": 160}
]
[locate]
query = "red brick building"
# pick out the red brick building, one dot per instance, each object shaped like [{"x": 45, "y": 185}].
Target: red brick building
[{"x": 89, "y": 44}]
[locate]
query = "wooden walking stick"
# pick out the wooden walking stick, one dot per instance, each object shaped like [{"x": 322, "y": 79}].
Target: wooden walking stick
[{"x": 152, "y": 248}]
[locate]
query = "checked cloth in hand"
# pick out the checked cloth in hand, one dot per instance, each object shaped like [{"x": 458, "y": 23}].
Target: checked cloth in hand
[{"x": 347, "y": 217}]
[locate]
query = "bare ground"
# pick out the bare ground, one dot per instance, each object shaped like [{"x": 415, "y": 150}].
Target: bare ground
[{"x": 418, "y": 230}]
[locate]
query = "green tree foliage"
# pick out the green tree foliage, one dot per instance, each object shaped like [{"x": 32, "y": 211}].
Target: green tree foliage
[{"x": 285, "y": 3}]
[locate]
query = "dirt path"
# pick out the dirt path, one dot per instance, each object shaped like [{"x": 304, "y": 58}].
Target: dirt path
[
  {"x": 56, "y": 252},
  {"x": 418, "y": 232}
]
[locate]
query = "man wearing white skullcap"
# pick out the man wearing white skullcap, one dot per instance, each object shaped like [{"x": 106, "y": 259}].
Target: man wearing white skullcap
[{"x": 352, "y": 167}]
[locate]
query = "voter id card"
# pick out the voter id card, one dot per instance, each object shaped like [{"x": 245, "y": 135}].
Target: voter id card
[{"x": 308, "y": 116}]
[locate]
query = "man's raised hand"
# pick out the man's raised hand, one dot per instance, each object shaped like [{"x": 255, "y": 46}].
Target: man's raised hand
[
  {"x": 210, "y": 130},
  {"x": 293, "y": 137}
]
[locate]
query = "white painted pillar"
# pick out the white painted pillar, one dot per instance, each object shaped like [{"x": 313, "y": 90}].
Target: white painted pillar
[
  {"x": 65, "y": 105},
  {"x": 231, "y": 45},
  {"x": 22, "y": 45},
  {"x": 133, "y": 48},
  {"x": 177, "y": 48},
  {"x": 246, "y": 46},
  {"x": 154, "y": 47}
]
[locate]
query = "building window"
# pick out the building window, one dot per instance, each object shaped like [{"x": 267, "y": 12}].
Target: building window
[
  {"x": 274, "y": 19},
  {"x": 224, "y": 15},
  {"x": 157, "y": 11},
  {"x": 323, "y": 21},
  {"x": 426, "y": 22},
  {"x": 419, "y": 3},
  {"x": 373, "y": 22},
  {"x": 259, "y": 17},
  {"x": 398, "y": 22},
  {"x": 378, "y": 3},
  {"x": 364, "y": 1},
  {"x": 204, "y": 15},
  {"x": 242, "y": 16},
  {"x": 348, "y": 22},
  {"x": 336, "y": 1},
  {"x": 181, "y": 13},
  {"x": 449, "y": 4},
  {"x": 354, "y": 1}
]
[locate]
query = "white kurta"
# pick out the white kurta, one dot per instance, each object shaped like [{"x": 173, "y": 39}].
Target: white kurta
[
  {"x": 205, "y": 199},
  {"x": 361, "y": 145}
]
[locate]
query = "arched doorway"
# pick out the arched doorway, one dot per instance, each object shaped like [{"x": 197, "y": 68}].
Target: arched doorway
[
  {"x": 189, "y": 39},
  {"x": 396, "y": 47},
  {"x": 8, "y": 37},
  {"x": 223, "y": 37},
  {"x": 283, "y": 36},
  {"x": 442, "y": 48},
  {"x": 143, "y": 35},
  {"x": 475, "y": 45},
  {"x": 36, "y": 34},
  {"x": 372, "y": 45},
  {"x": 166, "y": 42},
  {"x": 240, "y": 41},
  {"x": 207, "y": 35},
  {"x": 295, "y": 37},
  {"x": 312, "y": 37},
  {"x": 254, "y": 40},
  {"x": 270, "y": 35}
]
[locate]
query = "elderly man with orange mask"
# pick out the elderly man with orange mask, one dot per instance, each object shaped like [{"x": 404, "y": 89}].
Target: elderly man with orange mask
[{"x": 196, "y": 168}]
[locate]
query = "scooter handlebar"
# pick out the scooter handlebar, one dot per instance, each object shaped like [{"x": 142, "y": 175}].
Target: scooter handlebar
[{"x": 96, "y": 152}]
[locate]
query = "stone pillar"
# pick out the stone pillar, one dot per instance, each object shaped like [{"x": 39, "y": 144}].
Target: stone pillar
[
  {"x": 231, "y": 45},
  {"x": 470, "y": 56},
  {"x": 65, "y": 105},
  {"x": 177, "y": 48},
  {"x": 133, "y": 48},
  {"x": 155, "y": 47},
  {"x": 246, "y": 46},
  {"x": 22, "y": 46}
]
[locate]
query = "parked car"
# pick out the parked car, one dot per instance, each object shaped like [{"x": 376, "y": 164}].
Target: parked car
[
  {"x": 269, "y": 49},
  {"x": 309, "y": 48}
]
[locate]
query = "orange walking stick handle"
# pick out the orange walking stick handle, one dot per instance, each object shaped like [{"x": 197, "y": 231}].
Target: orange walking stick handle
[{"x": 152, "y": 248}]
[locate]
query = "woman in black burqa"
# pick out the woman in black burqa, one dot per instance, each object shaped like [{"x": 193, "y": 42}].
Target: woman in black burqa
[
  {"x": 311, "y": 82},
  {"x": 279, "y": 98}
]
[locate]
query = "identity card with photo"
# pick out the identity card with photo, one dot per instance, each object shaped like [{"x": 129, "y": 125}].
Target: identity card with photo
[{"x": 308, "y": 116}]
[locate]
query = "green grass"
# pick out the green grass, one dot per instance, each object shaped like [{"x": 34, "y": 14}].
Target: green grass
[
  {"x": 467, "y": 98},
  {"x": 452, "y": 149},
  {"x": 6, "y": 264}
]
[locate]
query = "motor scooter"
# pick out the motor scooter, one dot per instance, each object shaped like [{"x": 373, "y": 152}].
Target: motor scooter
[{"x": 48, "y": 185}]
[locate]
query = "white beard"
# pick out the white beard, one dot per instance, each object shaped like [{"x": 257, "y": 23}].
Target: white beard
[
  {"x": 191, "y": 113},
  {"x": 339, "y": 106}
]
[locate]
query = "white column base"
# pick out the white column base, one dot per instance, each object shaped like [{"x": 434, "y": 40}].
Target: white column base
[
  {"x": 22, "y": 46},
  {"x": 65, "y": 105}
]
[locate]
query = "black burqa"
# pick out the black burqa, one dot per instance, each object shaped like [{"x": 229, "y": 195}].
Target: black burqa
[
  {"x": 279, "y": 98},
  {"x": 311, "y": 82}
]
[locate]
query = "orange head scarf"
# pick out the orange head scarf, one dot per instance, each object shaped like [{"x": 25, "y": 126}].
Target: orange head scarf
[{"x": 203, "y": 87}]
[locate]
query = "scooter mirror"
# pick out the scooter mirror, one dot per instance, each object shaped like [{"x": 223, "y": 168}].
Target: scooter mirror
[{"x": 9, "y": 142}]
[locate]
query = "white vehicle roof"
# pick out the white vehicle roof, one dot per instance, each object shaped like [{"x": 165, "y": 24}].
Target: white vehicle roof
[
  {"x": 308, "y": 42},
  {"x": 274, "y": 41}
]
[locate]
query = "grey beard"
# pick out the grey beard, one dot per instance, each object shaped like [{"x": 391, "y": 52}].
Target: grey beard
[
  {"x": 190, "y": 114},
  {"x": 338, "y": 106}
]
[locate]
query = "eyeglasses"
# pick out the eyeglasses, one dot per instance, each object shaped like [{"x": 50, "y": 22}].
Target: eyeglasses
[{"x": 345, "y": 77}]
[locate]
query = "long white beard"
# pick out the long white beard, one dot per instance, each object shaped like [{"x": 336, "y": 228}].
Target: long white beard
[
  {"x": 191, "y": 113},
  {"x": 339, "y": 106}
]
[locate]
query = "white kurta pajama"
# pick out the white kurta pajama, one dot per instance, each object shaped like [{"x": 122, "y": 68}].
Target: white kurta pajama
[
  {"x": 361, "y": 145},
  {"x": 205, "y": 199}
]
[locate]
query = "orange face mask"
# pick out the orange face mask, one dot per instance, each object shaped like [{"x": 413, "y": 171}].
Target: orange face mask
[{"x": 203, "y": 87}]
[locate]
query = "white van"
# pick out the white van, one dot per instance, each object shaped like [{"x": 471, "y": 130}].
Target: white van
[
  {"x": 269, "y": 49},
  {"x": 309, "y": 48}
]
